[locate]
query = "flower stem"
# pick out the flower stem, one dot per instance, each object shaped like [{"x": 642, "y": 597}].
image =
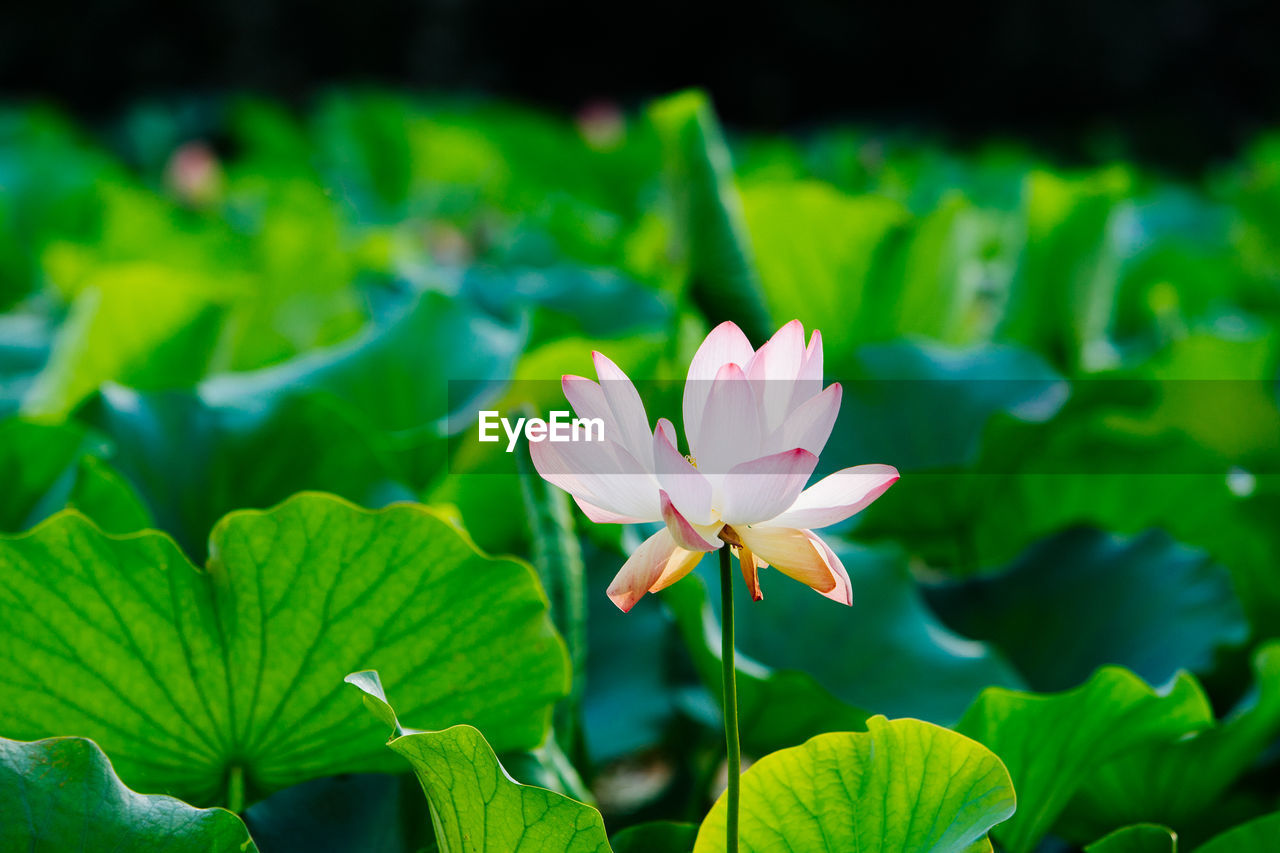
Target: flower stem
[{"x": 727, "y": 657}]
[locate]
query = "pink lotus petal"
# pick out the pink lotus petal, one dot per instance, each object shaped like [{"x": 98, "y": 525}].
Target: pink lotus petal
[
  {"x": 600, "y": 473},
  {"x": 730, "y": 431},
  {"x": 773, "y": 372},
  {"x": 759, "y": 490},
  {"x": 588, "y": 401},
  {"x": 810, "y": 424},
  {"x": 628, "y": 410},
  {"x": 725, "y": 345},
  {"x": 835, "y": 498},
  {"x": 642, "y": 570},
  {"x": 781, "y": 357},
  {"x": 685, "y": 534},
  {"x": 791, "y": 552},
  {"x": 690, "y": 491},
  {"x": 603, "y": 516}
]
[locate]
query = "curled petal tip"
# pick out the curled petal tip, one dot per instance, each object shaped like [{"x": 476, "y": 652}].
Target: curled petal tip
[{"x": 624, "y": 601}]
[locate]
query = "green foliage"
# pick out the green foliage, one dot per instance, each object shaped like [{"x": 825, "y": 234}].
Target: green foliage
[
  {"x": 210, "y": 305},
  {"x": 475, "y": 805},
  {"x": 219, "y": 684},
  {"x": 904, "y": 785},
  {"x": 61, "y": 795},
  {"x": 1053, "y": 743}
]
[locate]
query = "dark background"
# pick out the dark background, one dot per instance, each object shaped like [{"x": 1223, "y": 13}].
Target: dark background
[{"x": 1179, "y": 82}]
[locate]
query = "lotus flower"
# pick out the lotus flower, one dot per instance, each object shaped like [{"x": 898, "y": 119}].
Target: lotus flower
[{"x": 755, "y": 421}]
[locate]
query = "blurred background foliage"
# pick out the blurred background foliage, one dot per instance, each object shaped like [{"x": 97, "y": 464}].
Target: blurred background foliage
[{"x": 212, "y": 303}]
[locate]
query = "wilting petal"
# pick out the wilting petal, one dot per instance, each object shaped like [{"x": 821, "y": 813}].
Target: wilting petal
[
  {"x": 837, "y": 497},
  {"x": 642, "y": 570},
  {"x": 628, "y": 410},
  {"x": 600, "y": 473},
  {"x": 809, "y": 425},
  {"x": 762, "y": 488},
  {"x": 730, "y": 431},
  {"x": 843, "y": 591},
  {"x": 791, "y": 552},
  {"x": 690, "y": 491},
  {"x": 687, "y": 536},
  {"x": 751, "y": 572},
  {"x": 679, "y": 564},
  {"x": 725, "y": 345}
]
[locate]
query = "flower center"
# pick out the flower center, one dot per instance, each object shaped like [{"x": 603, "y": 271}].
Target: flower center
[{"x": 728, "y": 534}]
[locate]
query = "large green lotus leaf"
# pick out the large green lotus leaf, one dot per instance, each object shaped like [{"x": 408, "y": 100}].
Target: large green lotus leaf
[
  {"x": 1151, "y": 605},
  {"x": 219, "y": 685},
  {"x": 48, "y": 467},
  {"x": 26, "y": 340},
  {"x": 193, "y": 461},
  {"x": 659, "y": 836},
  {"x": 60, "y": 795},
  {"x": 891, "y": 654},
  {"x": 777, "y": 708},
  {"x": 1061, "y": 299},
  {"x": 1139, "y": 838},
  {"x": 1180, "y": 784},
  {"x": 1094, "y": 464},
  {"x": 407, "y": 372},
  {"x": 1053, "y": 743},
  {"x": 724, "y": 279},
  {"x": 903, "y": 786},
  {"x": 144, "y": 324},
  {"x": 1257, "y": 836},
  {"x": 816, "y": 250},
  {"x": 475, "y": 804},
  {"x": 896, "y": 389},
  {"x": 573, "y": 300}
]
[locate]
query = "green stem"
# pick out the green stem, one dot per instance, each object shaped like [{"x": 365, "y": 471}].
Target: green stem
[
  {"x": 235, "y": 789},
  {"x": 727, "y": 657}
]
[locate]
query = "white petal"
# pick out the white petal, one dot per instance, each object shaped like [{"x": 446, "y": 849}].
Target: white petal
[
  {"x": 687, "y": 536},
  {"x": 725, "y": 345},
  {"x": 810, "y": 424},
  {"x": 774, "y": 371},
  {"x": 730, "y": 431},
  {"x": 603, "y": 516},
  {"x": 791, "y": 552},
  {"x": 588, "y": 401},
  {"x": 782, "y": 356},
  {"x": 759, "y": 490},
  {"x": 690, "y": 491},
  {"x": 628, "y": 410},
  {"x": 642, "y": 570},
  {"x": 837, "y": 497},
  {"x": 600, "y": 473}
]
